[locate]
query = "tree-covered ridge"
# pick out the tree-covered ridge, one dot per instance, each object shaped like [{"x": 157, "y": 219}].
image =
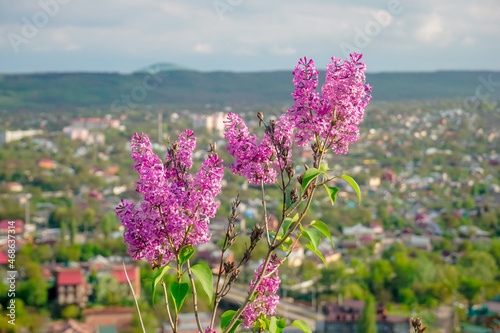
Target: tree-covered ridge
[{"x": 184, "y": 87}]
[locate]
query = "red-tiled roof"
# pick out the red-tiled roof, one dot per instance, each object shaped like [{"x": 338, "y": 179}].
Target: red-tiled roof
[
  {"x": 4, "y": 224},
  {"x": 119, "y": 274},
  {"x": 3, "y": 258},
  {"x": 69, "y": 277}
]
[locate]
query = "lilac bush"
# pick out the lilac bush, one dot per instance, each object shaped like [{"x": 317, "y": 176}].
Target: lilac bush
[
  {"x": 177, "y": 206},
  {"x": 175, "y": 214}
]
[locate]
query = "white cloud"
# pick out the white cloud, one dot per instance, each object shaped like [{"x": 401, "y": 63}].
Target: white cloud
[
  {"x": 254, "y": 34},
  {"x": 431, "y": 31},
  {"x": 287, "y": 50},
  {"x": 203, "y": 48}
]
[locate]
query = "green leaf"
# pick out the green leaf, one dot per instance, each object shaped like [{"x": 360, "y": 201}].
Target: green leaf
[
  {"x": 332, "y": 193},
  {"x": 260, "y": 323},
  {"x": 310, "y": 247},
  {"x": 186, "y": 253},
  {"x": 313, "y": 236},
  {"x": 288, "y": 222},
  {"x": 302, "y": 325},
  {"x": 354, "y": 186},
  {"x": 323, "y": 228},
  {"x": 310, "y": 175},
  {"x": 158, "y": 278},
  {"x": 323, "y": 167},
  {"x": 204, "y": 275},
  {"x": 179, "y": 293},
  {"x": 273, "y": 325},
  {"x": 226, "y": 319}
]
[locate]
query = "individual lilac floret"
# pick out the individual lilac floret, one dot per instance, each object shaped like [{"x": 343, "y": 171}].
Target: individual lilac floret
[
  {"x": 266, "y": 301},
  {"x": 174, "y": 202},
  {"x": 335, "y": 114},
  {"x": 257, "y": 161},
  {"x": 209, "y": 330}
]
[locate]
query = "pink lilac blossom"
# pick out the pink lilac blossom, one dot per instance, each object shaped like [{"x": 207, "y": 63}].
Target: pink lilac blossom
[
  {"x": 256, "y": 160},
  {"x": 335, "y": 114},
  {"x": 210, "y": 330},
  {"x": 332, "y": 117},
  {"x": 266, "y": 301},
  {"x": 174, "y": 201}
]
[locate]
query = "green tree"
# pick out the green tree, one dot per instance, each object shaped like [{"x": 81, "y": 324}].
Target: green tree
[
  {"x": 368, "y": 321},
  {"x": 108, "y": 224},
  {"x": 469, "y": 203},
  {"x": 478, "y": 264},
  {"x": 73, "y": 230},
  {"x": 70, "y": 312},
  {"x": 34, "y": 291},
  {"x": 470, "y": 287}
]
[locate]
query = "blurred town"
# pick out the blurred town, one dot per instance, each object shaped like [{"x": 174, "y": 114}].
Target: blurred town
[{"x": 424, "y": 240}]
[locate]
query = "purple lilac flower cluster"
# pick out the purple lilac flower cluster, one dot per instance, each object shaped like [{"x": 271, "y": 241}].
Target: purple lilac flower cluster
[
  {"x": 253, "y": 159},
  {"x": 335, "y": 114},
  {"x": 177, "y": 206},
  {"x": 331, "y": 118},
  {"x": 266, "y": 300}
]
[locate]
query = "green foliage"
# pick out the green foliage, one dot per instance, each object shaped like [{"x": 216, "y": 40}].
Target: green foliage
[
  {"x": 34, "y": 291},
  {"x": 478, "y": 263},
  {"x": 158, "y": 278},
  {"x": 302, "y": 325},
  {"x": 204, "y": 275},
  {"x": 70, "y": 312},
  {"x": 179, "y": 292},
  {"x": 470, "y": 287},
  {"x": 226, "y": 319},
  {"x": 354, "y": 185},
  {"x": 185, "y": 253},
  {"x": 310, "y": 175},
  {"x": 108, "y": 291},
  {"x": 368, "y": 321},
  {"x": 332, "y": 193}
]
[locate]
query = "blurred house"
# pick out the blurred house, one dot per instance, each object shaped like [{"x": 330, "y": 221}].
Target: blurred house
[
  {"x": 16, "y": 225},
  {"x": 69, "y": 326},
  {"x": 95, "y": 123},
  {"x": 46, "y": 163},
  {"x": 14, "y": 187},
  {"x": 9, "y": 136},
  {"x": 419, "y": 242},
  {"x": 71, "y": 287},
  {"x": 344, "y": 317},
  {"x": 107, "y": 319},
  {"x": 211, "y": 122}
]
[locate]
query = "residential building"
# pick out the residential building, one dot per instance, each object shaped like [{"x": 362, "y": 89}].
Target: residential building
[
  {"x": 211, "y": 122},
  {"x": 95, "y": 123},
  {"x": 16, "y": 225},
  {"x": 119, "y": 317},
  {"x": 344, "y": 318},
  {"x": 9, "y": 136},
  {"x": 71, "y": 287}
]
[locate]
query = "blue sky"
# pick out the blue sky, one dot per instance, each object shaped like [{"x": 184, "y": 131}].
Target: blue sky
[{"x": 247, "y": 35}]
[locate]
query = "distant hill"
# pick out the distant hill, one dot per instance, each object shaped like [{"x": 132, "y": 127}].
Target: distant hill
[
  {"x": 188, "y": 87},
  {"x": 162, "y": 67}
]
